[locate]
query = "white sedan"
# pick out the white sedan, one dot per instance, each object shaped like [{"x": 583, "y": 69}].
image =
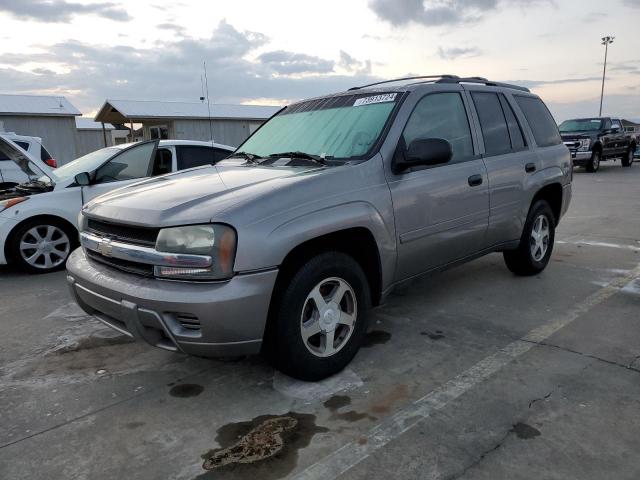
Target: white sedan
[{"x": 38, "y": 218}]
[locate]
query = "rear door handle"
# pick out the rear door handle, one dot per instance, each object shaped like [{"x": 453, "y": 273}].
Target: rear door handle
[
  {"x": 475, "y": 180},
  {"x": 530, "y": 167}
]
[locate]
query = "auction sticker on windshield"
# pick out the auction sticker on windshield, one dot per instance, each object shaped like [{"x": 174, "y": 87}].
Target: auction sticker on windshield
[{"x": 387, "y": 97}]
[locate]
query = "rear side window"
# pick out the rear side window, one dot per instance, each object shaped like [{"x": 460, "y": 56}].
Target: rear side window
[
  {"x": 44, "y": 155},
  {"x": 22, "y": 145},
  {"x": 195, "y": 156},
  {"x": 441, "y": 115},
  {"x": 515, "y": 131},
  {"x": 542, "y": 124},
  {"x": 493, "y": 123}
]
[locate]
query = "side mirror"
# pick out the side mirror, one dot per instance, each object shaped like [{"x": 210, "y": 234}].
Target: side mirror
[
  {"x": 83, "y": 179},
  {"x": 426, "y": 151}
]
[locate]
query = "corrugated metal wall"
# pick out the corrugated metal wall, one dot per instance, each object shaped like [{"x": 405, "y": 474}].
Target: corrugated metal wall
[
  {"x": 91, "y": 140},
  {"x": 228, "y": 132},
  {"x": 58, "y": 133}
]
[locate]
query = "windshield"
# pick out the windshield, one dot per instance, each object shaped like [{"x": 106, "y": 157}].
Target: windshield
[
  {"x": 87, "y": 163},
  {"x": 341, "y": 127},
  {"x": 581, "y": 125}
]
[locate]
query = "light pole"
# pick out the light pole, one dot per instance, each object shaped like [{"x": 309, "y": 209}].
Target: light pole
[{"x": 605, "y": 41}]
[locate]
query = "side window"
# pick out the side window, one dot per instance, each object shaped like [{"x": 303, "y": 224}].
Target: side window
[
  {"x": 195, "y": 156},
  {"x": 616, "y": 124},
  {"x": 133, "y": 163},
  {"x": 162, "y": 162},
  {"x": 492, "y": 122},
  {"x": 219, "y": 154},
  {"x": 542, "y": 124},
  {"x": 44, "y": 154},
  {"x": 22, "y": 145},
  {"x": 515, "y": 131},
  {"x": 441, "y": 115}
]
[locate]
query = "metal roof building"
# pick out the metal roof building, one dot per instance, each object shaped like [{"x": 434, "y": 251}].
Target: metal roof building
[
  {"x": 230, "y": 124},
  {"x": 90, "y": 135},
  {"x": 48, "y": 117}
]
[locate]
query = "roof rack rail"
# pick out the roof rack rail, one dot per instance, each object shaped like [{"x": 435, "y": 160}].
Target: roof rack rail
[
  {"x": 446, "y": 78},
  {"x": 483, "y": 81},
  {"x": 452, "y": 77}
]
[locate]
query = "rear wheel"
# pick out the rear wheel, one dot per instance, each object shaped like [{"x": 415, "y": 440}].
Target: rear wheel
[
  {"x": 627, "y": 159},
  {"x": 594, "y": 162},
  {"x": 320, "y": 319},
  {"x": 536, "y": 244},
  {"x": 41, "y": 245}
]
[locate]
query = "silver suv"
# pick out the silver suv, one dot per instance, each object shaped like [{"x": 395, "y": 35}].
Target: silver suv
[{"x": 285, "y": 246}]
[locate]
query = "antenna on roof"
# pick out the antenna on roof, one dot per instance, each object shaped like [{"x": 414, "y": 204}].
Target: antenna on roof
[{"x": 206, "y": 82}]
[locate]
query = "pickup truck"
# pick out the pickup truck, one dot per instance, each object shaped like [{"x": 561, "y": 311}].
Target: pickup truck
[{"x": 593, "y": 140}]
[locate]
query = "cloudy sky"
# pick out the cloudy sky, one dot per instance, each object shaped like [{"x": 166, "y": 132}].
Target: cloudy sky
[{"x": 275, "y": 51}]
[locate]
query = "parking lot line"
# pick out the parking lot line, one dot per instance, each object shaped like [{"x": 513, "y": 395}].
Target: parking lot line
[{"x": 351, "y": 454}]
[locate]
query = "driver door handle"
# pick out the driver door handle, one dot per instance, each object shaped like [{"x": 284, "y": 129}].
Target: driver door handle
[{"x": 475, "y": 180}]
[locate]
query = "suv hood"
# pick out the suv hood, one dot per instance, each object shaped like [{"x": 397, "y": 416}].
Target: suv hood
[{"x": 192, "y": 196}]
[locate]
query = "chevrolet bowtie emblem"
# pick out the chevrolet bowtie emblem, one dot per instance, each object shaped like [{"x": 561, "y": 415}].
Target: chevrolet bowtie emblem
[{"x": 105, "y": 248}]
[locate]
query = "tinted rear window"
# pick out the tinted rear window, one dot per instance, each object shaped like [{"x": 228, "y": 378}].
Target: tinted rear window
[
  {"x": 515, "y": 131},
  {"x": 492, "y": 122},
  {"x": 195, "y": 156},
  {"x": 542, "y": 124},
  {"x": 44, "y": 155},
  {"x": 22, "y": 145}
]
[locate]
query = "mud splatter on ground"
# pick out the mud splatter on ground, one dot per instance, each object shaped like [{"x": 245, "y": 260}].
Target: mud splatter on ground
[
  {"x": 91, "y": 342},
  {"x": 375, "y": 337},
  {"x": 265, "y": 447},
  {"x": 186, "y": 390},
  {"x": 134, "y": 425},
  {"x": 387, "y": 402},
  {"x": 437, "y": 335},
  {"x": 337, "y": 402},
  {"x": 525, "y": 431}
]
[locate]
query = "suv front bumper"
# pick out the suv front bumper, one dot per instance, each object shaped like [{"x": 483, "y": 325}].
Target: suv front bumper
[{"x": 206, "y": 319}]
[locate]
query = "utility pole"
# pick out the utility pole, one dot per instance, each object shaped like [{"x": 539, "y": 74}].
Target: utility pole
[{"x": 606, "y": 41}]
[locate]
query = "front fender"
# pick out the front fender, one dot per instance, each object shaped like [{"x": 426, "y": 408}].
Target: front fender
[{"x": 276, "y": 244}]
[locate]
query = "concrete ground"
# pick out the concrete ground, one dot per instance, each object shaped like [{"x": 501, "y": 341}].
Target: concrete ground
[{"x": 471, "y": 374}]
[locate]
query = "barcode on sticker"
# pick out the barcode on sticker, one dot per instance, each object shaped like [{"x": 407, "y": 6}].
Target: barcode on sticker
[{"x": 387, "y": 97}]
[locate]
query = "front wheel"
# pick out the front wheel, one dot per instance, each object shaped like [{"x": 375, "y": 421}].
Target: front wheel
[
  {"x": 41, "y": 246},
  {"x": 627, "y": 159},
  {"x": 594, "y": 162},
  {"x": 536, "y": 244},
  {"x": 320, "y": 319}
]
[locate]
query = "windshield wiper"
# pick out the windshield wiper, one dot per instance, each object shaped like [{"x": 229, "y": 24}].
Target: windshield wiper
[
  {"x": 249, "y": 157},
  {"x": 301, "y": 155}
]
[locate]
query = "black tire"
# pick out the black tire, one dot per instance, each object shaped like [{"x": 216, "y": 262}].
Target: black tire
[
  {"x": 284, "y": 345},
  {"x": 627, "y": 159},
  {"x": 593, "y": 165},
  {"x": 58, "y": 257},
  {"x": 521, "y": 261}
]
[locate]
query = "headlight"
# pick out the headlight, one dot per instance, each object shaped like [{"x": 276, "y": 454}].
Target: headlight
[
  {"x": 5, "y": 204},
  {"x": 585, "y": 143},
  {"x": 217, "y": 241}
]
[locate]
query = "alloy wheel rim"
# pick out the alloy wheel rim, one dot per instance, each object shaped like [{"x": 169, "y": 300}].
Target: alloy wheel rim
[
  {"x": 540, "y": 235},
  {"x": 328, "y": 317},
  {"x": 44, "y": 246}
]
